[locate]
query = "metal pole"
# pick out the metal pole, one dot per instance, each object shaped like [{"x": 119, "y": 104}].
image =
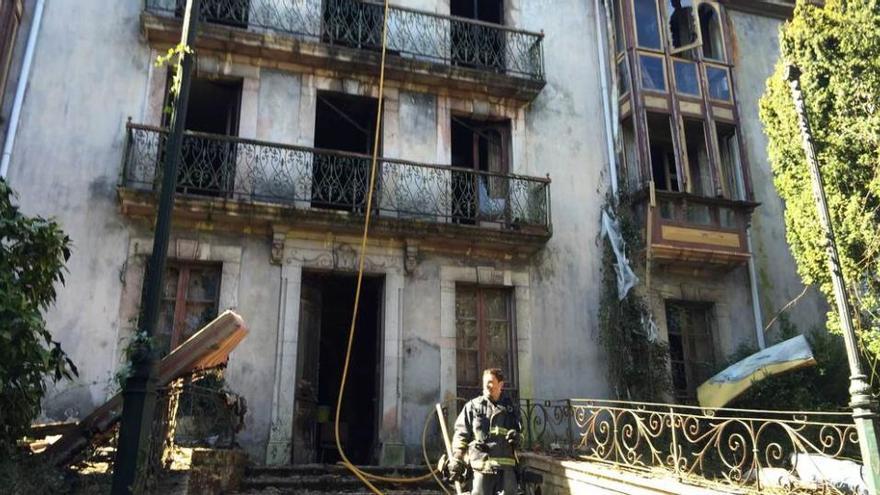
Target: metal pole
[
  {"x": 139, "y": 394},
  {"x": 863, "y": 406}
]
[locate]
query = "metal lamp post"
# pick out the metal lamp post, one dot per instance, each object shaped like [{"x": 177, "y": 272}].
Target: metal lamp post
[
  {"x": 139, "y": 393},
  {"x": 863, "y": 406}
]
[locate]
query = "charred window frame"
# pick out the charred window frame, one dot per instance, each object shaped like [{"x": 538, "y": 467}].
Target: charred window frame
[
  {"x": 190, "y": 300},
  {"x": 10, "y": 20},
  {"x": 689, "y": 331},
  {"x": 684, "y": 62},
  {"x": 485, "y": 337}
]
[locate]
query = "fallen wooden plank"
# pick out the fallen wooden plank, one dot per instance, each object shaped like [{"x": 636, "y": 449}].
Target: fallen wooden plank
[{"x": 207, "y": 348}]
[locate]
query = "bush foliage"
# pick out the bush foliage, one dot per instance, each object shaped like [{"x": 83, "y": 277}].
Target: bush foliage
[
  {"x": 837, "y": 48},
  {"x": 33, "y": 251}
]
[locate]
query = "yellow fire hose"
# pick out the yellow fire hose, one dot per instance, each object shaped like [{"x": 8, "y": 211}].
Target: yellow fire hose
[{"x": 364, "y": 476}]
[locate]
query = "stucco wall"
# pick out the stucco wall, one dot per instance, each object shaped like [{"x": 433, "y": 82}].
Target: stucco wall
[{"x": 756, "y": 51}]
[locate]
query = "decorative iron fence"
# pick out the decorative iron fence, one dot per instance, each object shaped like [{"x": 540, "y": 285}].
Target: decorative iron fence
[
  {"x": 245, "y": 169},
  {"x": 759, "y": 451},
  {"x": 447, "y": 40}
]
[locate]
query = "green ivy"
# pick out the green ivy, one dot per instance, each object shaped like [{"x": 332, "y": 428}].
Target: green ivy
[
  {"x": 837, "y": 48},
  {"x": 637, "y": 368},
  {"x": 33, "y": 251}
]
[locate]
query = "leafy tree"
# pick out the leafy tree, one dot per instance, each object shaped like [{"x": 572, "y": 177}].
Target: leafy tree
[
  {"x": 33, "y": 251},
  {"x": 837, "y": 48}
]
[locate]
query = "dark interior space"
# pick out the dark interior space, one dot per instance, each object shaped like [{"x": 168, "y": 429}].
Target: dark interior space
[
  {"x": 208, "y": 166},
  {"x": 358, "y": 417},
  {"x": 662, "y": 153},
  {"x": 475, "y": 45},
  {"x": 482, "y": 146},
  {"x": 343, "y": 123}
]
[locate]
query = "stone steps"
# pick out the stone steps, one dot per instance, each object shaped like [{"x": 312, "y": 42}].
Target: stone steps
[{"x": 315, "y": 479}]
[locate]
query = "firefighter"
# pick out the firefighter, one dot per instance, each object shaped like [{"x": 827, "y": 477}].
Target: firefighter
[{"x": 488, "y": 431}]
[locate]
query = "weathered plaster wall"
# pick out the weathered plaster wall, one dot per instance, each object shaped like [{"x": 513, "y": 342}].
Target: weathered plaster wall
[
  {"x": 565, "y": 138},
  {"x": 756, "y": 51},
  {"x": 87, "y": 77}
]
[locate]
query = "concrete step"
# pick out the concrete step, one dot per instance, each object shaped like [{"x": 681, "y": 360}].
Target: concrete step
[{"x": 325, "y": 479}]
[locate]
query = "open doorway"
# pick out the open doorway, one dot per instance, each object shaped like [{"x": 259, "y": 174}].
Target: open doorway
[
  {"x": 326, "y": 304},
  {"x": 473, "y": 44},
  {"x": 481, "y": 146},
  {"x": 343, "y": 123}
]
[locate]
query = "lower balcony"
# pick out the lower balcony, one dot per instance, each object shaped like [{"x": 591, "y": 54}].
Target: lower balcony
[
  {"x": 253, "y": 186},
  {"x": 695, "y": 233}
]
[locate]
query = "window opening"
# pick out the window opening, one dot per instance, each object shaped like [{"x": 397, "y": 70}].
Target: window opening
[
  {"x": 647, "y": 25},
  {"x": 10, "y": 19},
  {"x": 691, "y": 351},
  {"x": 710, "y": 29},
  {"x": 481, "y": 146},
  {"x": 662, "y": 153},
  {"x": 653, "y": 72},
  {"x": 478, "y": 45},
  {"x": 683, "y": 31},
  {"x": 719, "y": 84},
  {"x": 686, "y": 80},
  {"x": 208, "y": 163},
  {"x": 731, "y": 171},
  {"x": 190, "y": 300},
  {"x": 630, "y": 155},
  {"x": 484, "y": 338},
  {"x": 343, "y": 123},
  {"x": 619, "y": 34},
  {"x": 353, "y": 23},
  {"x": 698, "y": 158},
  {"x": 233, "y": 13}
]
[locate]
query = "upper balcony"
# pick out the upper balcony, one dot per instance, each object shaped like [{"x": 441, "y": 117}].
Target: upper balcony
[
  {"x": 458, "y": 55},
  {"x": 248, "y": 185},
  {"x": 694, "y": 233}
]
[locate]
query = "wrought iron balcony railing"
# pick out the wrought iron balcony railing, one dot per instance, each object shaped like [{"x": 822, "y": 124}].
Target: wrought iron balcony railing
[
  {"x": 447, "y": 40},
  {"x": 250, "y": 170},
  {"x": 748, "y": 449}
]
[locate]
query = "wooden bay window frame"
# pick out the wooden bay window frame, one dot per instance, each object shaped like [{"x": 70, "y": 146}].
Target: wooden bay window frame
[{"x": 177, "y": 300}]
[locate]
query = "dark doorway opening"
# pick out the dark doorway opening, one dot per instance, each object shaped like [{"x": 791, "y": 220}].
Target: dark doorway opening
[
  {"x": 478, "y": 45},
  {"x": 343, "y": 123},
  {"x": 482, "y": 146},
  {"x": 208, "y": 164},
  {"x": 327, "y": 301}
]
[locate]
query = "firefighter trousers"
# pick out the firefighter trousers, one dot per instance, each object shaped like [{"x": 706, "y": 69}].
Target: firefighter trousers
[{"x": 502, "y": 482}]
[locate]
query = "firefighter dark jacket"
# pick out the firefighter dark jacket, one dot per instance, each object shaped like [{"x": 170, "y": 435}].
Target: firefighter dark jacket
[{"x": 482, "y": 428}]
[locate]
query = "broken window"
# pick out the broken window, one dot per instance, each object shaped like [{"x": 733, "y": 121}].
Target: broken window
[
  {"x": 484, "y": 338},
  {"x": 474, "y": 44},
  {"x": 728, "y": 148},
  {"x": 353, "y": 23},
  {"x": 208, "y": 162},
  {"x": 662, "y": 152},
  {"x": 647, "y": 25},
  {"x": 190, "y": 300},
  {"x": 346, "y": 125},
  {"x": 233, "y": 13},
  {"x": 710, "y": 28},
  {"x": 698, "y": 158},
  {"x": 691, "y": 351},
  {"x": 481, "y": 146},
  {"x": 683, "y": 32},
  {"x": 633, "y": 176}
]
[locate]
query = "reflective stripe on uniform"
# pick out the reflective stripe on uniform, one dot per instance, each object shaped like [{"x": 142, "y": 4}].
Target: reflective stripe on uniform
[
  {"x": 498, "y": 430},
  {"x": 493, "y": 463}
]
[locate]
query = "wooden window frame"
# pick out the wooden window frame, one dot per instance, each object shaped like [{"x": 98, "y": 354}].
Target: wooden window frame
[
  {"x": 184, "y": 270},
  {"x": 511, "y": 382},
  {"x": 10, "y": 20},
  {"x": 689, "y": 362}
]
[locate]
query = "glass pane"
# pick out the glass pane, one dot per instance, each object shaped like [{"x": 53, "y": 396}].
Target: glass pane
[
  {"x": 204, "y": 284},
  {"x": 686, "y": 78},
  {"x": 652, "y": 73},
  {"x": 465, "y": 302},
  {"x": 622, "y": 77},
  {"x": 699, "y": 214},
  {"x": 495, "y": 304},
  {"x": 169, "y": 284},
  {"x": 719, "y": 85},
  {"x": 666, "y": 210},
  {"x": 647, "y": 26},
  {"x": 496, "y": 359},
  {"x": 728, "y": 146},
  {"x": 466, "y": 329},
  {"x": 618, "y": 28},
  {"x": 497, "y": 336},
  {"x": 467, "y": 374},
  {"x": 727, "y": 218},
  {"x": 679, "y": 377},
  {"x": 682, "y": 25},
  {"x": 165, "y": 327},
  {"x": 197, "y": 316}
]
